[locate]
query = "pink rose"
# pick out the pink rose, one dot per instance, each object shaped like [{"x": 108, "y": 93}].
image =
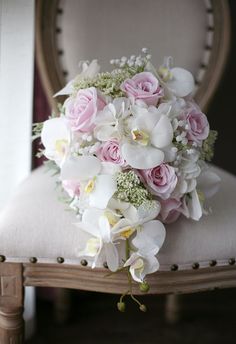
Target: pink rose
[
  {"x": 82, "y": 109},
  {"x": 110, "y": 151},
  {"x": 197, "y": 125},
  {"x": 143, "y": 86},
  {"x": 72, "y": 187},
  {"x": 161, "y": 180},
  {"x": 170, "y": 210}
]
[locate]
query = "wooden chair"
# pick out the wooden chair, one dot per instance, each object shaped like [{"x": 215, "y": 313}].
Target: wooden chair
[{"x": 37, "y": 238}]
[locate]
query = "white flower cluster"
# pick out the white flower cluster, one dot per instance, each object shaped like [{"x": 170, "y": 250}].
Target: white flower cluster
[
  {"x": 131, "y": 163},
  {"x": 132, "y": 61}
]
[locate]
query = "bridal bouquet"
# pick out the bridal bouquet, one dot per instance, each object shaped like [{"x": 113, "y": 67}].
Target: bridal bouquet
[{"x": 130, "y": 147}]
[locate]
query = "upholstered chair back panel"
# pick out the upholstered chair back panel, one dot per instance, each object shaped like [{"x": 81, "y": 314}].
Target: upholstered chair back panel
[{"x": 195, "y": 33}]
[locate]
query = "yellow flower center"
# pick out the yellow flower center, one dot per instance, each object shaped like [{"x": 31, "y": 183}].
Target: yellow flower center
[
  {"x": 112, "y": 218},
  {"x": 60, "y": 146},
  {"x": 138, "y": 264},
  {"x": 90, "y": 186},
  {"x": 127, "y": 232},
  {"x": 140, "y": 136},
  {"x": 201, "y": 196},
  {"x": 165, "y": 73}
]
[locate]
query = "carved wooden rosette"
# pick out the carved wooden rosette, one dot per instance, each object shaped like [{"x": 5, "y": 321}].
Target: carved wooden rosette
[{"x": 11, "y": 304}]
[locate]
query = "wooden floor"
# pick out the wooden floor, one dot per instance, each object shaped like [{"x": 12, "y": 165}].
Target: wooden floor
[{"x": 205, "y": 318}]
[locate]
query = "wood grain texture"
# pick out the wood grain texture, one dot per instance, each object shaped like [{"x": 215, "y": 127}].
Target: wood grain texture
[
  {"x": 83, "y": 278},
  {"x": 11, "y": 291},
  {"x": 11, "y": 304},
  {"x": 11, "y": 326},
  {"x": 52, "y": 74}
]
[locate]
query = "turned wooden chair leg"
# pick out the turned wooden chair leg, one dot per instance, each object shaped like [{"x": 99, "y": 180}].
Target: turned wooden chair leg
[
  {"x": 172, "y": 309},
  {"x": 11, "y": 304},
  {"x": 62, "y": 305}
]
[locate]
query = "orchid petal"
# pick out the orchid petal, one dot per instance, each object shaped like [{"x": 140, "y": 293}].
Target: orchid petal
[
  {"x": 105, "y": 116},
  {"x": 162, "y": 133},
  {"x": 105, "y": 187},
  {"x": 126, "y": 209},
  {"x": 105, "y": 229},
  {"x": 148, "y": 211},
  {"x": 208, "y": 182},
  {"x": 194, "y": 206},
  {"x": 170, "y": 153},
  {"x": 151, "y": 265},
  {"x": 112, "y": 256},
  {"x": 181, "y": 83},
  {"x": 67, "y": 90},
  {"x": 146, "y": 120},
  {"x": 135, "y": 273},
  {"x": 105, "y": 132},
  {"x": 109, "y": 168},
  {"x": 55, "y": 131},
  {"x": 91, "y": 70},
  {"x": 141, "y": 157},
  {"x": 150, "y": 238}
]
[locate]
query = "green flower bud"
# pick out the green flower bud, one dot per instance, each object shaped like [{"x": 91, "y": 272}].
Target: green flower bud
[
  {"x": 143, "y": 308},
  {"x": 144, "y": 287},
  {"x": 121, "y": 306}
]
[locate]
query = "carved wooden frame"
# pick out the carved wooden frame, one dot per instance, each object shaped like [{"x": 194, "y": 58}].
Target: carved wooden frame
[{"x": 52, "y": 74}]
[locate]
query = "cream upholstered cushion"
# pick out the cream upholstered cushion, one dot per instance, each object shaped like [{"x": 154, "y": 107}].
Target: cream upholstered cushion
[{"x": 36, "y": 224}]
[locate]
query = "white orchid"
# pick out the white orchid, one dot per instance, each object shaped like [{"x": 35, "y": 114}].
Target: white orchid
[
  {"x": 110, "y": 121},
  {"x": 133, "y": 216},
  {"x": 188, "y": 170},
  {"x": 86, "y": 70},
  {"x": 208, "y": 184},
  {"x": 176, "y": 81},
  {"x": 140, "y": 266},
  {"x": 180, "y": 82},
  {"x": 97, "y": 179},
  {"x": 99, "y": 243},
  {"x": 148, "y": 241},
  {"x": 150, "y": 237},
  {"x": 56, "y": 139},
  {"x": 150, "y": 133},
  {"x": 192, "y": 207},
  {"x": 107, "y": 229}
]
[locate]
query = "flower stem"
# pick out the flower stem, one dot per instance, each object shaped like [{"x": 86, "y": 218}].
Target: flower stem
[{"x": 135, "y": 300}]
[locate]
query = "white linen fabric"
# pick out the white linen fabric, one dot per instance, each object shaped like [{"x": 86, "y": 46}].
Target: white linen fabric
[{"x": 36, "y": 224}]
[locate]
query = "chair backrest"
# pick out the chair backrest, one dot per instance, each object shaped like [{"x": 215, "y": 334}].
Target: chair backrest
[{"x": 195, "y": 33}]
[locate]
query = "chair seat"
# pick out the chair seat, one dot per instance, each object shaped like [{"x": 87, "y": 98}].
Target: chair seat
[{"x": 36, "y": 224}]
